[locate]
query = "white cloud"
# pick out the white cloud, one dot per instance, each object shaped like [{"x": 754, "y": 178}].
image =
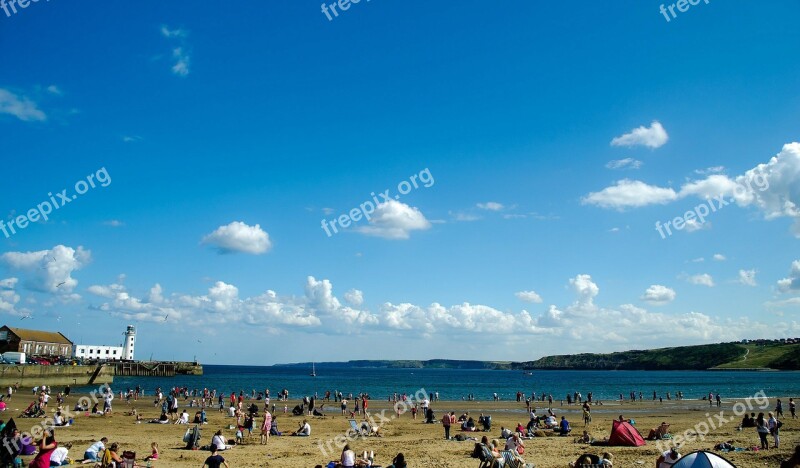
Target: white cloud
[
  {"x": 653, "y": 137},
  {"x": 702, "y": 280},
  {"x": 8, "y": 296},
  {"x": 773, "y": 187},
  {"x": 529, "y": 296},
  {"x": 131, "y": 138},
  {"x": 792, "y": 282},
  {"x": 166, "y": 32},
  {"x": 49, "y": 270},
  {"x": 239, "y": 237},
  {"x": 710, "y": 170},
  {"x": 698, "y": 260},
  {"x": 693, "y": 225},
  {"x": 354, "y": 297},
  {"x": 395, "y": 220},
  {"x": 180, "y": 54},
  {"x": 114, "y": 223},
  {"x": 181, "y": 65},
  {"x": 53, "y": 89},
  {"x": 491, "y": 206},
  {"x": 719, "y": 257},
  {"x": 463, "y": 217},
  {"x": 658, "y": 295},
  {"x": 630, "y": 194},
  {"x": 20, "y": 107},
  {"x": 586, "y": 289},
  {"x": 747, "y": 277},
  {"x": 627, "y": 163}
]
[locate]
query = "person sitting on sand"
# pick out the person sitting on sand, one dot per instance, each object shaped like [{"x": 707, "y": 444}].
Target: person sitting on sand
[
  {"x": 550, "y": 422},
  {"x": 398, "y": 462},
  {"x": 304, "y": 430},
  {"x": 564, "y": 426},
  {"x": 219, "y": 441},
  {"x": 521, "y": 431},
  {"x": 505, "y": 433},
  {"x": 668, "y": 458},
  {"x": 658, "y": 433},
  {"x": 110, "y": 457},
  {"x": 586, "y": 438},
  {"x": 183, "y": 419},
  {"x": 154, "y": 454},
  {"x": 369, "y": 429},
  {"x": 514, "y": 443},
  {"x": 608, "y": 459}
]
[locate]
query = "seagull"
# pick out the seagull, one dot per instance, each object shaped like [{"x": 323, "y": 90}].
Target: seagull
[
  {"x": 166, "y": 317},
  {"x": 199, "y": 341},
  {"x": 26, "y": 317},
  {"x": 60, "y": 284}
]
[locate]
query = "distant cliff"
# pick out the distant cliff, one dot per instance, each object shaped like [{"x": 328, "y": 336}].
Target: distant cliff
[{"x": 761, "y": 354}]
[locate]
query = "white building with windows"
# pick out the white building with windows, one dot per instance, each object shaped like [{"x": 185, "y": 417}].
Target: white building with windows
[{"x": 109, "y": 353}]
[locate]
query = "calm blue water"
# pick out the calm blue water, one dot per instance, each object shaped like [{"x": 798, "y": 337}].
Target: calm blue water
[{"x": 454, "y": 384}]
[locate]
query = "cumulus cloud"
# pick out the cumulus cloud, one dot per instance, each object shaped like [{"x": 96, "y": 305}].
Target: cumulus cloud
[
  {"x": 239, "y": 237},
  {"x": 658, "y": 295},
  {"x": 702, "y": 280},
  {"x": 354, "y": 297},
  {"x": 652, "y": 137},
  {"x": 772, "y": 187},
  {"x": 747, "y": 277},
  {"x": 20, "y": 107},
  {"x": 792, "y": 282},
  {"x": 529, "y": 296},
  {"x": 395, "y": 220},
  {"x": 630, "y": 194},
  {"x": 719, "y": 257},
  {"x": 586, "y": 290},
  {"x": 627, "y": 163},
  {"x": 491, "y": 206},
  {"x": 8, "y": 296},
  {"x": 49, "y": 270}
]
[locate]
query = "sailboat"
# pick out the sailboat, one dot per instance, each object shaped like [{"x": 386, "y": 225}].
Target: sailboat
[{"x": 313, "y": 370}]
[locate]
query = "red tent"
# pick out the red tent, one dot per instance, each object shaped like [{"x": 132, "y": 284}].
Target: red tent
[{"x": 625, "y": 435}]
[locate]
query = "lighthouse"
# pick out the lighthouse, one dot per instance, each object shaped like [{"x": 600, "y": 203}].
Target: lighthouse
[{"x": 130, "y": 338}]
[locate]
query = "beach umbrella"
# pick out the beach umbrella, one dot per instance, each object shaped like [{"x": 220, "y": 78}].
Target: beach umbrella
[{"x": 702, "y": 459}]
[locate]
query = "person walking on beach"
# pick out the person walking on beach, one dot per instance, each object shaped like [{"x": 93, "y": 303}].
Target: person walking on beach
[
  {"x": 779, "y": 408},
  {"x": 447, "y": 420},
  {"x": 719, "y": 400},
  {"x": 792, "y": 408}
]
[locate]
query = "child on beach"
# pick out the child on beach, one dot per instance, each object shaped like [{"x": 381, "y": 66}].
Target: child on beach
[{"x": 154, "y": 454}]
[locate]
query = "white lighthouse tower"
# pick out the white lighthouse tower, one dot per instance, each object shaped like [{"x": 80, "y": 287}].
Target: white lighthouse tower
[{"x": 130, "y": 339}]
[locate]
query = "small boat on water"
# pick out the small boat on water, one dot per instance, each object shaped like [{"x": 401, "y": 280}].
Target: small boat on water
[{"x": 313, "y": 370}]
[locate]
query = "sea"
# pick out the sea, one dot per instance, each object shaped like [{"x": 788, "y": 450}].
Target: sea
[{"x": 458, "y": 384}]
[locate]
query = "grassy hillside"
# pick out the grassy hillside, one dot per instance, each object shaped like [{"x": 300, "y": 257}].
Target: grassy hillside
[
  {"x": 680, "y": 358},
  {"x": 770, "y": 355}
]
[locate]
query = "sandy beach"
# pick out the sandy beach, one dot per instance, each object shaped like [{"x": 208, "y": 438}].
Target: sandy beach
[{"x": 422, "y": 444}]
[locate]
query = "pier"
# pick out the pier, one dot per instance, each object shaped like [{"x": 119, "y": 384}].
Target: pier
[{"x": 156, "y": 369}]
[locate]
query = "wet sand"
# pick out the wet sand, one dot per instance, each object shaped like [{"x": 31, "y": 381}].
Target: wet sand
[{"x": 422, "y": 444}]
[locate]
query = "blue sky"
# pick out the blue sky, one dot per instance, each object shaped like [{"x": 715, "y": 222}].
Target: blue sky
[{"x": 552, "y": 136}]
